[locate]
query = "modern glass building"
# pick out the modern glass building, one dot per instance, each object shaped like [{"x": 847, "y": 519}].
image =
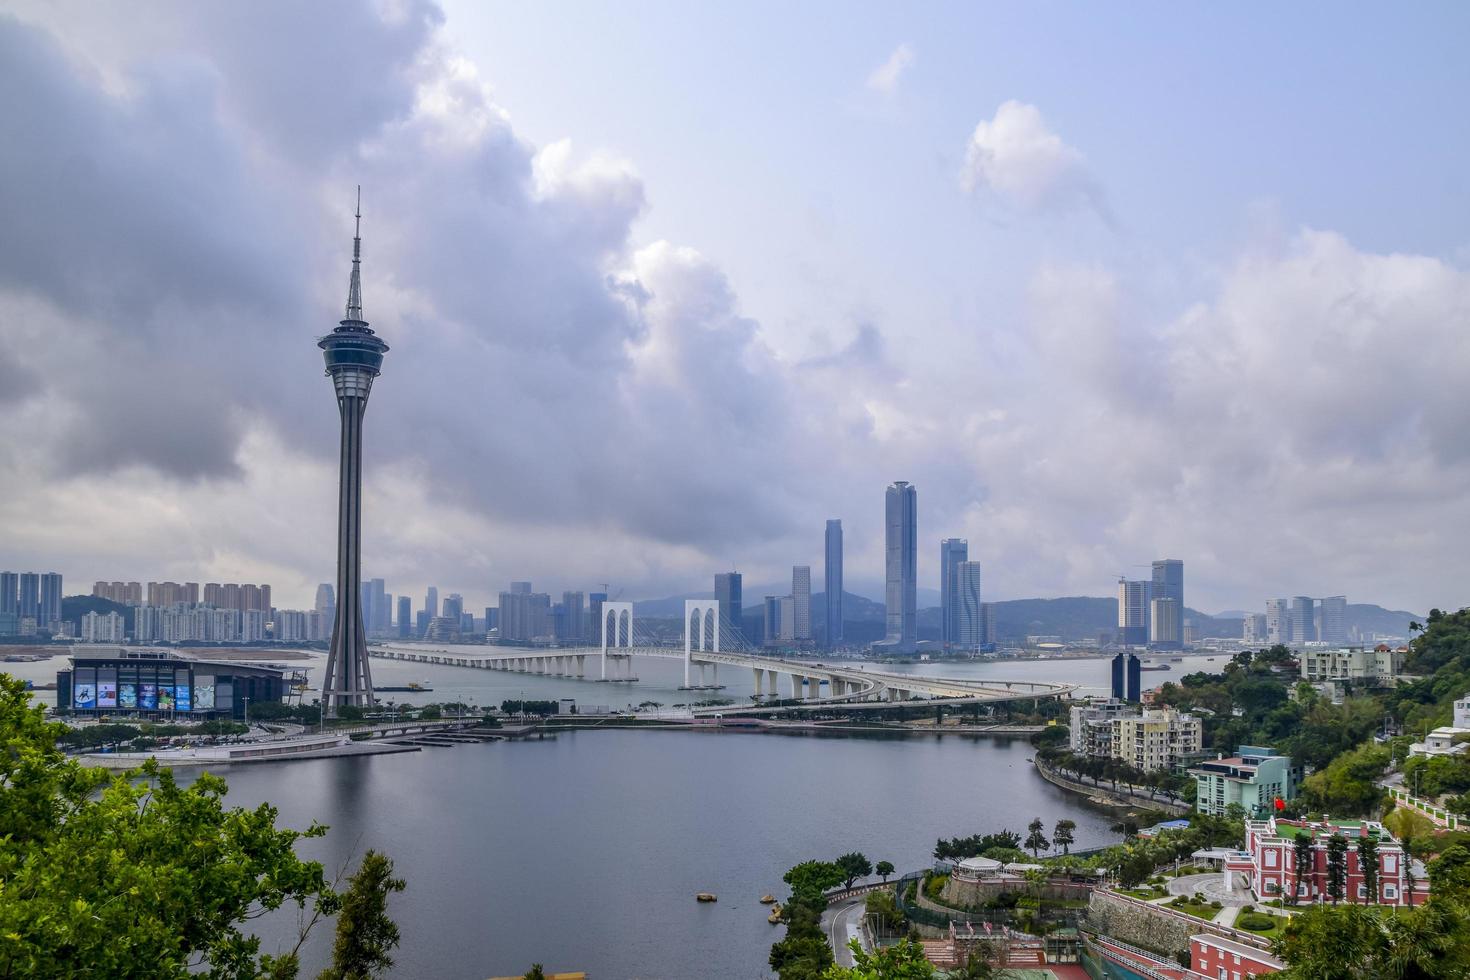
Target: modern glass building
[
  {"x": 952, "y": 551},
  {"x": 1168, "y": 583},
  {"x": 969, "y": 610},
  {"x": 833, "y": 571},
  {"x": 136, "y": 681},
  {"x": 728, "y": 595},
  {"x": 1133, "y": 612},
  {"x": 801, "y": 602},
  {"x": 900, "y": 594}
]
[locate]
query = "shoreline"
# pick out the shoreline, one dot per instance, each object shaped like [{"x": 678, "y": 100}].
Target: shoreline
[{"x": 1104, "y": 796}]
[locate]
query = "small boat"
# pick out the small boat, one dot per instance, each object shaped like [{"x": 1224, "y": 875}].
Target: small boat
[
  {"x": 706, "y": 897},
  {"x": 768, "y": 899}
]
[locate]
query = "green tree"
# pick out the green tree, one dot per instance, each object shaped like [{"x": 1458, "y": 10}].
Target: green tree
[
  {"x": 902, "y": 961},
  {"x": 854, "y": 865},
  {"x": 1062, "y": 836},
  {"x": 1337, "y": 849},
  {"x": 1368, "y": 865},
  {"x": 885, "y": 868},
  {"x": 1349, "y": 783},
  {"x": 1135, "y": 868},
  {"x": 1304, "y": 857},
  {"x": 365, "y": 933},
  {"x": 884, "y": 908},
  {"x": 133, "y": 876},
  {"x": 1036, "y": 841},
  {"x": 536, "y": 972}
]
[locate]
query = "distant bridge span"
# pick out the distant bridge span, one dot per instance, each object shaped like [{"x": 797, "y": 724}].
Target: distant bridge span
[{"x": 850, "y": 686}]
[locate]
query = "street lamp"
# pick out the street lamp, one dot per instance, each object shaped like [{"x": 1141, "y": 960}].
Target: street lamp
[{"x": 247, "y": 712}]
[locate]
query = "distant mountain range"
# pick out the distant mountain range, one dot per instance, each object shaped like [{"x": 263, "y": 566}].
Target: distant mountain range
[{"x": 1071, "y": 617}]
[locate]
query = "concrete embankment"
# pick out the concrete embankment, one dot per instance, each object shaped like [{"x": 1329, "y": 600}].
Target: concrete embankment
[{"x": 1107, "y": 796}]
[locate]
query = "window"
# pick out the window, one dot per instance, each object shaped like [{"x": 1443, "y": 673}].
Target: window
[
  {"x": 1390, "y": 864},
  {"x": 1270, "y": 859},
  {"x": 1362, "y": 892},
  {"x": 1390, "y": 892}
]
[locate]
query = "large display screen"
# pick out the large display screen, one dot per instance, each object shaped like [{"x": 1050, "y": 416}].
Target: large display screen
[
  {"x": 181, "y": 698},
  {"x": 148, "y": 696},
  {"x": 107, "y": 694},
  {"x": 204, "y": 692},
  {"x": 84, "y": 696},
  {"x": 165, "y": 697},
  {"x": 127, "y": 695}
]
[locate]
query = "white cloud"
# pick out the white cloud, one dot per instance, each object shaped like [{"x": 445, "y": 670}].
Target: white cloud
[
  {"x": 885, "y": 77},
  {"x": 1021, "y": 161}
]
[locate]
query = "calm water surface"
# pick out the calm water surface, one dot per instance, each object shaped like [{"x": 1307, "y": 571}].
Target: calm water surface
[{"x": 585, "y": 851}]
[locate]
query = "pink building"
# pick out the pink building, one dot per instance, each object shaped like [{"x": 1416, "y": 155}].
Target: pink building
[{"x": 1271, "y": 867}]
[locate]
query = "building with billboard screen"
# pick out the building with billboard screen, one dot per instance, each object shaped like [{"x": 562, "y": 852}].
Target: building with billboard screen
[{"x": 118, "y": 680}]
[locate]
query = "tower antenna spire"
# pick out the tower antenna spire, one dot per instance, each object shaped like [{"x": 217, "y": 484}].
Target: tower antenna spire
[{"x": 354, "y": 285}]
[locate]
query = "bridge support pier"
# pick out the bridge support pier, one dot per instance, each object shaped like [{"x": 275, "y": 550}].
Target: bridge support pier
[
  {"x": 771, "y": 679},
  {"x": 581, "y": 665},
  {"x": 795, "y": 686},
  {"x": 760, "y": 681}
]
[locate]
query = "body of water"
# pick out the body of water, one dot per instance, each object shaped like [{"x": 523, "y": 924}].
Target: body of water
[{"x": 585, "y": 851}]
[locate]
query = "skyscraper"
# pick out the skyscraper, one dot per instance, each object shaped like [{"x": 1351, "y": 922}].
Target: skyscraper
[
  {"x": 50, "y": 604},
  {"x": 833, "y": 570},
  {"x": 727, "y": 594},
  {"x": 405, "y": 617},
  {"x": 1334, "y": 620},
  {"x": 1133, "y": 612},
  {"x": 771, "y": 621},
  {"x": 453, "y": 606},
  {"x": 9, "y": 593},
  {"x": 1127, "y": 677},
  {"x": 969, "y": 610},
  {"x": 952, "y": 551},
  {"x": 1278, "y": 621},
  {"x": 801, "y": 602},
  {"x": 326, "y": 604},
  {"x": 1165, "y": 622},
  {"x": 900, "y": 594},
  {"x": 574, "y": 617},
  {"x": 1168, "y": 583},
  {"x": 1303, "y": 620},
  {"x": 354, "y": 356},
  {"x": 431, "y": 601},
  {"x": 30, "y": 597}
]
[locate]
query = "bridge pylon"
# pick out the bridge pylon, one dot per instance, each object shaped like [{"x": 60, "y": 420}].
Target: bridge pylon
[
  {"x": 701, "y": 630},
  {"x": 617, "y": 632}
]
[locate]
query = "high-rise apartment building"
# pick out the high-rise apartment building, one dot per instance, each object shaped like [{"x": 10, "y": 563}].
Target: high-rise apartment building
[
  {"x": 833, "y": 571},
  {"x": 1253, "y": 629},
  {"x": 728, "y": 594},
  {"x": 801, "y": 603},
  {"x": 1168, "y": 583},
  {"x": 431, "y": 600},
  {"x": 9, "y": 594},
  {"x": 1133, "y": 612},
  {"x": 1166, "y": 622},
  {"x": 1333, "y": 618},
  {"x": 102, "y": 628},
  {"x": 952, "y": 551},
  {"x": 30, "y": 597},
  {"x": 901, "y": 551},
  {"x": 1303, "y": 620},
  {"x": 524, "y": 615},
  {"x": 405, "y": 617},
  {"x": 969, "y": 610},
  {"x": 126, "y": 593},
  {"x": 788, "y": 619},
  {"x": 987, "y": 620},
  {"x": 50, "y": 605},
  {"x": 1278, "y": 621}
]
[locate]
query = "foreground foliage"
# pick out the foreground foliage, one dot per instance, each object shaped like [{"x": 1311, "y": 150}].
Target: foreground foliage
[{"x": 133, "y": 876}]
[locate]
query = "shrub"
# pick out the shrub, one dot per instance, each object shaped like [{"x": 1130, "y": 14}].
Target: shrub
[{"x": 1255, "y": 922}]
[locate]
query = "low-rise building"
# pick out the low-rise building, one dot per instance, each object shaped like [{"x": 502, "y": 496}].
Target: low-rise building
[
  {"x": 117, "y": 680},
  {"x": 1091, "y": 729},
  {"x": 1451, "y": 739},
  {"x": 1253, "y": 779},
  {"x": 1356, "y": 665},
  {"x": 1212, "y": 957},
  {"x": 1272, "y": 871}
]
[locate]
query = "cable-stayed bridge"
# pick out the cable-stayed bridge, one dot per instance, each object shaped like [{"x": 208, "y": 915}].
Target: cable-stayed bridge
[{"x": 707, "y": 646}]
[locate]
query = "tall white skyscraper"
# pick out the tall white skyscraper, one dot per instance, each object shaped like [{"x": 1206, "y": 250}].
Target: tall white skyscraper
[
  {"x": 801, "y": 602},
  {"x": 1168, "y": 583},
  {"x": 1278, "y": 621},
  {"x": 901, "y": 551},
  {"x": 833, "y": 571},
  {"x": 1303, "y": 619},
  {"x": 952, "y": 551}
]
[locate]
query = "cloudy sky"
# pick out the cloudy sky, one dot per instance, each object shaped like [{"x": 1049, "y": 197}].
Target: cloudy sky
[{"x": 667, "y": 286}]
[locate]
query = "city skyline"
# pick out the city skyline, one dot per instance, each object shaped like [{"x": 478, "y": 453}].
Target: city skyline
[{"x": 1105, "y": 309}]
